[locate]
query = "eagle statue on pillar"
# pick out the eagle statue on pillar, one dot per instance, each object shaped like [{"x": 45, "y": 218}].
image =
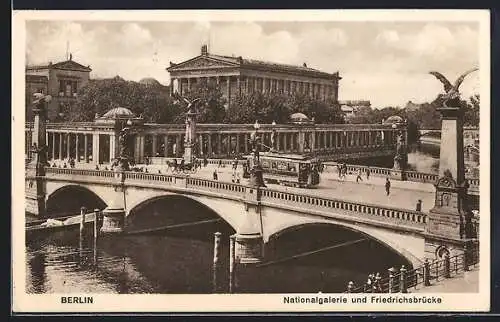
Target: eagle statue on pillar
[
  {"x": 451, "y": 90},
  {"x": 191, "y": 105}
]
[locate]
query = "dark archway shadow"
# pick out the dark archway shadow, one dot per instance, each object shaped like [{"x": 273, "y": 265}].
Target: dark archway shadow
[
  {"x": 69, "y": 199},
  {"x": 356, "y": 256},
  {"x": 178, "y": 259}
]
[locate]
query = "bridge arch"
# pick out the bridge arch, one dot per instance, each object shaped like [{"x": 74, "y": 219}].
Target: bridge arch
[
  {"x": 406, "y": 245},
  {"x": 171, "y": 209},
  {"x": 68, "y": 199}
]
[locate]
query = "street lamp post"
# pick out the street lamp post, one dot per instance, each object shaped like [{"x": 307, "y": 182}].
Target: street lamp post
[
  {"x": 256, "y": 178},
  {"x": 123, "y": 159}
]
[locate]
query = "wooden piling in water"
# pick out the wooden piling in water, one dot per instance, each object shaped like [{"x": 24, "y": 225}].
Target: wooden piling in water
[
  {"x": 83, "y": 211},
  {"x": 232, "y": 263},
  {"x": 217, "y": 249},
  {"x": 96, "y": 233}
]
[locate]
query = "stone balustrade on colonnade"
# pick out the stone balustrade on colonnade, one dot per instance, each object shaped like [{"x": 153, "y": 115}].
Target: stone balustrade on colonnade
[{"x": 99, "y": 142}]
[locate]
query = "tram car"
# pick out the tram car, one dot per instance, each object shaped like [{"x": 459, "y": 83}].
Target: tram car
[{"x": 298, "y": 170}]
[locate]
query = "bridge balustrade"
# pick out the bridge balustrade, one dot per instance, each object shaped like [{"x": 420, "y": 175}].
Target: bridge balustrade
[
  {"x": 402, "y": 216},
  {"x": 80, "y": 172},
  {"x": 149, "y": 177},
  {"x": 394, "y": 214},
  {"x": 421, "y": 176}
]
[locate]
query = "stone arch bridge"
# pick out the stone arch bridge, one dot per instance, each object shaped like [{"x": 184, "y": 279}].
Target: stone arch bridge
[{"x": 258, "y": 215}]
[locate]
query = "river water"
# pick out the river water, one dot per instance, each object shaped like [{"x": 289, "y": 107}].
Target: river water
[{"x": 181, "y": 261}]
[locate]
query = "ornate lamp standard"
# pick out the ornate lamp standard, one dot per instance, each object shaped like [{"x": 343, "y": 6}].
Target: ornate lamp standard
[
  {"x": 256, "y": 179},
  {"x": 123, "y": 159}
]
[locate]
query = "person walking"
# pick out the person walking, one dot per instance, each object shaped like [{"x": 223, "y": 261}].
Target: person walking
[
  {"x": 387, "y": 186},
  {"x": 215, "y": 175},
  {"x": 419, "y": 205},
  {"x": 358, "y": 177},
  {"x": 367, "y": 173}
]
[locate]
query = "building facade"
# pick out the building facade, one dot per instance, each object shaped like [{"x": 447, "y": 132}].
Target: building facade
[
  {"x": 238, "y": 75},
  {"x": 60, "y": 80}
]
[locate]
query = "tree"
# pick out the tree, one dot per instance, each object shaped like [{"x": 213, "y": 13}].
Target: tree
[
  {"x": 99, "y": 96},
  {"x": 471, "y": 116}
]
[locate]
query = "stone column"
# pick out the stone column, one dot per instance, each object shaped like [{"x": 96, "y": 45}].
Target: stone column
[
  {"x": 285, "y": 142},
  {"x": 77, "y": 153},
  {"x": 219, "y": 144},
  {"x": 228, "y": 142},
  {"x": 112, "y": 147},
  {"x": 188, "y": 84},
  {"x": 154, "y": 145},
  {"x": 238, "y": 143},
  {"x": 60, "y": 145},
  {"x": 200, "y": 145},
  {"x": 255, "y": 84},
  {"x": 209, "y": 151},
  {"x": 86, "y": 151},
  {"x": 53, "y": 145},
  {"x": 246, "y": 138},
  {"x": 68, "y": 145},
  {"x": 228, "y": 84},
  {"x": 172, "y": 86},
  {"x": 167, "y": 147},
  {"x": 95, "y": 148},
  {"x": 238, "y": 84}
]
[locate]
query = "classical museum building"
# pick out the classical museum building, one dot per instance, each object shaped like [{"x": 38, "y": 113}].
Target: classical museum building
[{"x": 237, "y": 75}]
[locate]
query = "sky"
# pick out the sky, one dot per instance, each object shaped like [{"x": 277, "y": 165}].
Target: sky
[{"x": 384, "y": 62}]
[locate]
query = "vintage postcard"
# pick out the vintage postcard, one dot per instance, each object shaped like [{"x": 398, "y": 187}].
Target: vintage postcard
[{"x": 251, "y": 161}]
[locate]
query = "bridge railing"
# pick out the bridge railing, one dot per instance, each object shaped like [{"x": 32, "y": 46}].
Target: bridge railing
[
  {"x": 368, "y": 211},
  {"x": 80, "y": 172},
  {"x": 402, "y": 216},
  {"x": 413, "y": 176},
  {"x": 400, "y": 281}
]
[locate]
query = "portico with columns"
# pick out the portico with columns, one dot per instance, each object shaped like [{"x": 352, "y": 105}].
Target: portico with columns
[{"x": 238, "y": 75}]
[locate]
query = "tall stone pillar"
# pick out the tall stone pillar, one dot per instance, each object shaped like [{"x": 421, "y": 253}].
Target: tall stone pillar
[
  {"x": 238, "y": 85},
  {"x": 449, "y": 224},
  {"x": 35, "y": 171},
  {"x": 112, "y": 148},
  {"x": 188, "y": 84},
  {"x": 301, "y": 142}
]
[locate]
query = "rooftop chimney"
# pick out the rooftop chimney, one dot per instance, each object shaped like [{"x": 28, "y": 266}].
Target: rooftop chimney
[{"x": 204, "y": 50}]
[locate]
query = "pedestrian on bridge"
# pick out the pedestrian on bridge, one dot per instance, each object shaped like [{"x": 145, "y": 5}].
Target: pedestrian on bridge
[
  {"x": 367, "y": 173},
  {"x": 387, "y": 186},
  {"x": 358, "y": 177},
  {"x": 215, "y": 175}
]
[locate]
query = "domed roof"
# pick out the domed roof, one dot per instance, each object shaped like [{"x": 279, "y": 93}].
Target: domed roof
[
  {"x": 149, "y": 81},
  {"x": 394, "y": 119},
  {"x": 299, "y": 117},
  {"x": 118, "y": 112}
]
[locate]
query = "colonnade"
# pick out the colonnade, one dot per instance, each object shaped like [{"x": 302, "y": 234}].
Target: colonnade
[
  {"x": 103, "y": 146},
  {"x": 225, "y": 144}
]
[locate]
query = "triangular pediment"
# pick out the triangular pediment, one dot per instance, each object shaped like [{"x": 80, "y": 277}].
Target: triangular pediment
[
  {"x": 71, "y": 65},
  {"x": 201, "y": 62}
]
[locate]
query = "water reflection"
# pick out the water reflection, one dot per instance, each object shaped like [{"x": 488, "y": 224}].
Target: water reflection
[{"x": 180, "y": 262}]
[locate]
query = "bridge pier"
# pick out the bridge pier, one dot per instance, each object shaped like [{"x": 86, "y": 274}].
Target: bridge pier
[{"x": 114, "y": 217}]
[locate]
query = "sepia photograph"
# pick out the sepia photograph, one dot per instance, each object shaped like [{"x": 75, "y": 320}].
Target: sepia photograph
[{"x": 277, "y": 160}]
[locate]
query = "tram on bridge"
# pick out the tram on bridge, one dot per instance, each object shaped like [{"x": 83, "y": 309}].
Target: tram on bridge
[{"x": 299, "y": 170}]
